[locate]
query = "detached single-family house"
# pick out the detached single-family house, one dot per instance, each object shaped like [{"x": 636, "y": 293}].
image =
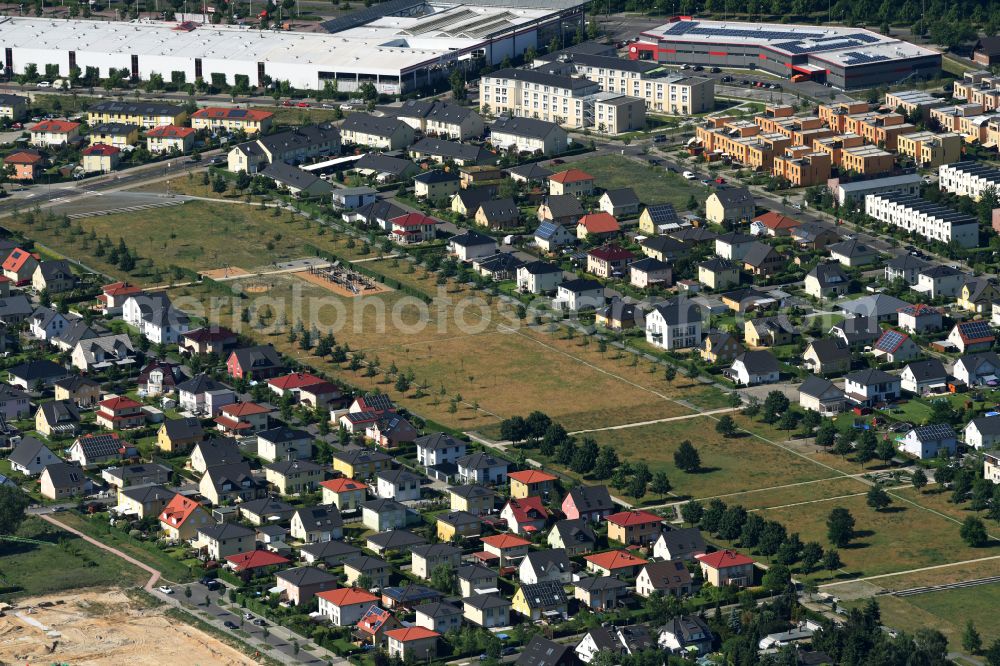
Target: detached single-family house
[
  {"x": 718, "y": 273},
  {"x": 231, "y": 482},
  {"x": 545, "y": 566},
  {"x": 978, "y": 294},
  {"x": 818, "y": 394},
  {"x": 871, "y": 386},
  {"x": 383, "y": 514},
  {"x": 475, "y": 579},
  {"x": 91, "y": 450},
  {"x": 398, "y": 484},
  {"x": 769, "y": 331},
  {"x": 727, "y": 567},
  {"x": 920, "y": 377},
  {"x": 600, "y": 593},
  {"x": 679, "y": 543},
  {"x": 505, "y": 548},
  {"x": 30, "y": 456},
  {"x": 344, "y": 607},
  {"x": 730, "y": 205},
  {"x": 686, "y": 634},
  {"x": 675, "y": 324},
  {"x": 317, "y": 523},
  {"x": 54, "y": 419},
  {"x": 294, "y": 476},
  {"x": 634, "y": 527},
  {"x": 541, "y": 601},
  {"x": 486, "y": 610},
  {"x": 384, "y": 132},
  {"x": 591, "y": 503},
  {"x": 424, "y": 559},
  {"x": 471, "y": 245},
  {"x": 301, "y": 584},
  {"x": 826, "y": 280},
  {"x": 284, "y": 443},
  {"x": 857, "y": 332},
  {"x": 575, "y": 536},
  {"x": 498, "y": 214},
  {"x": 182, "y": 518},
  {"x": 579, "y": 294},
  {"x": 213, "y": 452},
  {"x": 852, "y": 253},
  {"x": 344, "y": 493},
  {"x": 920, "y": 318},
  {"x": 977, "y": 369},
  {"x": 669, "y": 577},
  {"x": 754, "y": 367},
  {"x": 719, "y": 347},
  {"x": 927, "y": 441},
  {"x": 53, "y": 276},
  {"x": 982, "y": 433},
  {"x": 827, "y": 356},
  {"x": 972, "y": 336},
  {"x": 61, "y": 480},
  {"x": 773, "y": 224},
  {"x": 895, "y": 347},
  {"x": 620, "y": 563},
  {"x": 525, "y": 516},
  {"x": 439, "y": 616},
  {"x": 940, "y": 282},
  {"x": 620, "y": 203},
  {"x": 220, "y": 541}
]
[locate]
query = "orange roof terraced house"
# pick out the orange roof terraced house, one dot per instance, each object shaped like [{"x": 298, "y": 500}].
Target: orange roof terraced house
[
  {"x": 346, "y": 493},
  {"x": 54, "y": 132},
  {"x": 530, "y": 482},
  {"x": 183, "y": 517},
  {"x": 20, "y": 265},
  {"x": 597, "y": 224},
  {"x": 620, "y": 563},
  {"x": 255, "y": 559},
  {"x": 727, "y": 567},
  {"x": 634, "y": 527},
  {"x": 572, "y": 181},
  {"x": 26, "y": 164},
  {"x": 166, "y": 137},
  {"x": 251, "y": 121},
  {"x": 345, "y": 606}
]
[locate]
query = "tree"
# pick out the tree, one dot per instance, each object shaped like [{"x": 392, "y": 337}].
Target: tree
[
  {"x": 13, "y": 504},
  {"x": 731, "y": 524},
  {"x": 972, "y": 642},
  {"x": 885, "y": 451},
  {"x": 443, "y": 578},
  {"x": 840, "y": 527},
  {"x": 878, "y": 499},
  {"x": 585, "y": 456},
  {"x": 607, "y": 461},
  {"x": 514, "y": 429},
  {"x": 919, "y": 479},
  {"x": 637, "y": 486},
  {"x": 670, "y": 373},
  {"x": 866, "y": 447},
  {"x": 826, "y": 435},
  {"x": 686, "y": 457},
  {"x": 660, "y": 484},
  {"x": 973, "y": 532},
  {"x": 776, "y": 578},
  {"x": 831, "y": 560},
  {"x": 692, "y": 512},
  {"x": 457, "y": 82},
  {"x": 753, "y": 527},
  {"x": 843, "y": 445},
  {"x": 993, "y": 654},
  {"x": 771, "y": 538},
  {"x": 812, "y": 553},
  {"x": 726, "y": 426}
]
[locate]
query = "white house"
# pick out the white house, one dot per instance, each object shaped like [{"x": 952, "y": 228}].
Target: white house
[
  {"x": 45, "y": 323},
  {"x": 871, "y": 386},
  {"x": 926, "y": 441},
  {"x": 982, "y": 432},
  {"x": 976, "y": 369},
  {"x": 538, "y": 277},
  {"x": 579, "y": 294},
  {"x": 398, "y": 484},
  {"x": 472, "y": 245},
  {"x": 675, "y": 324},
  {"x": 921, "y": 377},
  {"x": 754, "y": 367},
  {"x": 439, "y": 449}
]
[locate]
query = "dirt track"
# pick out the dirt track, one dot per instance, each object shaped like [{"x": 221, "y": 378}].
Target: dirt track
[{"x": 103, "y": 626}]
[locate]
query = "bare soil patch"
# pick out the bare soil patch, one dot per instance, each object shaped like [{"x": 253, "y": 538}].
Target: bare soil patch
[
  {"x": 228, "y": 272},
  {"x": 320, "y": 281}
]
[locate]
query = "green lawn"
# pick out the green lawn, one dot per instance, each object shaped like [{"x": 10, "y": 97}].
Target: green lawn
[
  {"x": 651, "y": 184},
  {"x": 900, "y": 538},
  {"x": 947, "y": 611},
  {"x": 63, "y": 562}
]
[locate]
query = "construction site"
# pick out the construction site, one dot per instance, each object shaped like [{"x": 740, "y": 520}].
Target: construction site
[{"x": 104, "y": 626}]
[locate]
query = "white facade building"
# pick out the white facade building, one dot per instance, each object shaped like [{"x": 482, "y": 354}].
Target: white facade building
[{"x": 933, "y": 222}]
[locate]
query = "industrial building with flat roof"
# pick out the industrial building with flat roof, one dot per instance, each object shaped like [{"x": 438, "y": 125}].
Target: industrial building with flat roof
[
  {"x": 841, "y": 56},
  {"x": 399, "y": 46}
]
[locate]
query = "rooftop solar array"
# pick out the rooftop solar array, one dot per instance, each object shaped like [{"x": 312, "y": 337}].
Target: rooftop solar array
[
  {"x": 924, "y": 207},
  {"x": 890, "y": 341},
  {"x": 935, "y": 431},
  {"x": 976, "y": 329}
]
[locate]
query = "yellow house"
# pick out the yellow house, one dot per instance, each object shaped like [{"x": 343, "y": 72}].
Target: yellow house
[
  {"x": 346, "y": 493},
  {"x": 978, "y": 295},
  {"x": 458, "y": 524},
  {"x": 100, "y": 158},
  {"x": 360, "y": 463},
  {"x": 179, "y": 434},
  {"x": 183, "y": 517},
  {"x": 118, "y": 135},
  {"x": 143, "y": 501},
  {"x": 474, "y": 499},
  {"x": 251, "y": 121},
  {"x": 293, "y": 476},
  {"x": 79, "y": 390},
  {"x": 538, "y": 600},
  {"x": 656, "y": 216},
  {"x": 57, "y": 418},
  {"x": 530, "y": 482}
]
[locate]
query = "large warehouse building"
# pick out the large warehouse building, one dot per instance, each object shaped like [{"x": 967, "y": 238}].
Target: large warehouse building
[
  {"x": 843, "y": 57},
  {"x": 398, "y": 45}
]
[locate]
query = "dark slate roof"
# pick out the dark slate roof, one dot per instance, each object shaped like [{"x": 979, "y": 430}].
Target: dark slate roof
[
  {"x": 733, "y": 196},
  {"x": 829, "y": 274},
  {"x": 290, "y": 176},
  {"x": 269, "y": 506},
  {"x": 541, "y": 268},
  {"x": 59, "y": 411},
  {"x": 438, "y": 609},
  {"x": 859, "y": 329},
  {"x": 27, "y": 450},
  {"x": 200, "y": 384},
  {"x": 472, "y": 238},
  {"x": 148, "y": 493},
  {"x": 288, "y": 466},
  {"x": 577, "y": 530},
  {"x": 306, "y": 576},
  {"x": 471, "y": 491},
  {"x": 326, "y": 549},
  {"x": 623, "y": 196},
  {"x": 593, "y": 583},
  {"x": 758, "y": 362},
  {"x": 34, "y": 370},
  {"x": 871, "y": 376},
  {"x": 384, "y": 164},
  {"x": 664, "y": 244},
  {"x": 591, "y": 498},
  {"x": 927, "y": 370},
  {"x": 532, "y": 171},
  {"x": 396, "y": 539},
  {"x": 500, "y": 210},
  {"x": 183, "y": 428},
  {"x": 677, "y": 311},
  {"x": 219, "y": 451},
  {"x": 816, "y": 387},
  {"x": 65, "y": 475},
  {"x": 986, "y": 425},
  {"x": 225, "y": 531},
  {"x": 828, "y": 350},
  {"x": 355, "y": 456},
  {"x": 15, "y": 305},
  {"x": 320, "y": 517},
  {"x": 369, "y": 124},
  {"x": 473, "y": 197},
  {"x": 259, "y": 356},
  {"x": 465, "y": 152},
  {"x": 435, "y": 176},
  {"x": 526, "y": 127},
  {"x": 580, "y": 285},
  {"x": 563, "y": 205},
  {"x": 483, "y": 601},
  {"x": 541, "y": 651}
]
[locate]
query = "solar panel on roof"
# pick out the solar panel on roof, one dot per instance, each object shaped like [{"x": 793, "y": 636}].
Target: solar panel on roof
[
  {"x": 935, "y": 431},
  {"x": 976, "y": 329},
  {"x": 889, "y": 341}
]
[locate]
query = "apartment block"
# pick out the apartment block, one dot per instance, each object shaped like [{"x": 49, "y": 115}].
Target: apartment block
[
  {"x": 968, "y": 179},
  {"x": 835, "y": 115},
  {"x": 913, "y": 101},
  {"x": 614, "y": 114},
  {"x": 834, "y": 146},
  {"x": 533, "y": 94},
  {"x": 919, "y": 216},
  {"x": 979, "y": 87},
  {"x": 803, "y": 170},
  {"x": 867, "y": 160},
  {"x": 880, "y": 129},
  {"x": 977, "y": 128},
  {"x": 929, "y": 149},
  {"x": 949, "y": 117}
]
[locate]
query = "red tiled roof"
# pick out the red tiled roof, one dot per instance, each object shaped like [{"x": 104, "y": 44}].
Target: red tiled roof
[
  {"x": 525, "y": 507},
  {"x": 55, "y": 126},
  {"x": 16, "y": 259},
  {"x": 121, "y": 289},
  {"x": 918, "y": 310},
  {"x": 611, "y": 253},
  {"x": 599, "y": 223},
  {"x": 120, "y": 402},
  {"x": 231, "y": 113},
  {"x": 629, "y": 518},
  {"x": 775, "y": 221},
  {"x": 101, "y": 149},
  {"x": 256, "y": 559},
  {"x": 178, "y": 510},
  {"x": 347, "y": 596},
  {"x": 343, "y": 484},
  {"x": 373, "y": 620},
  {"x": 615, "y": 559},
  {"x": 411, "y": 634},
  {"x": 412, "y": 220},
  {"x": 23, "y": 157},
  {"x": 295, "y": 380},
  {"x": 504, "y": 541},
  {"x": 531, "y": 476},
  {"x": 238, "y": 409},
  {"x": 170, "y": 132},
  {"x": 570, "y": 176},
  {"x": 721, "y": 559}
]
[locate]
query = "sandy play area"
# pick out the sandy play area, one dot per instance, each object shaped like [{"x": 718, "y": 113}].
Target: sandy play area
[
  {"x": 105, "y": 627},
  {"x": 232, "y": 271},
  {"x": 340, "y": 290}
]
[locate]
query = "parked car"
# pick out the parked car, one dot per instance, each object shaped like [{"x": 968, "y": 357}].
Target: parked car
[
  {"x": 259, "y": 622},
  {"x": 660, "y": 138},
  {"x": 210, "y": 583},
  {"x": 229, "y": 624},
  {"x": 166, "y": 589},
  {"x": 248, "y": 616},
  {"x": 689, "y": 175},
  {"x": 716, "y": 70},
  {"x": 43, "y": 84},
  {"x": 304, "y": 105}
]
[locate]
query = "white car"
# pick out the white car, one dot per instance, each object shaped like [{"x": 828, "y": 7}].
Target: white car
[
  {"x": 166, "y": 589},
  {"x": 43, "y": 84},
  {"x": 689, "y": 175}
]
